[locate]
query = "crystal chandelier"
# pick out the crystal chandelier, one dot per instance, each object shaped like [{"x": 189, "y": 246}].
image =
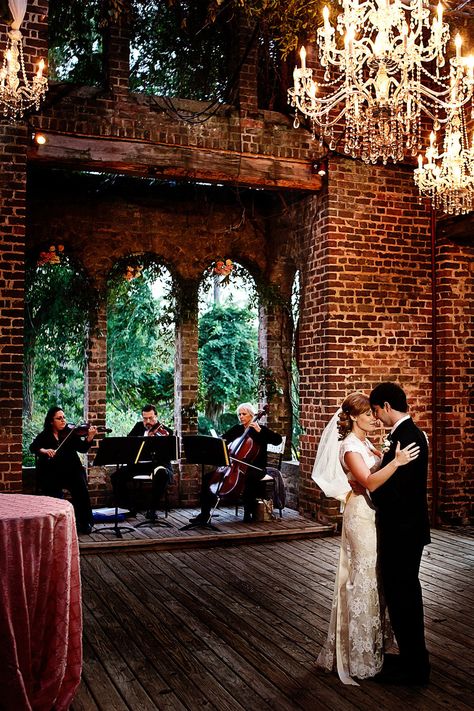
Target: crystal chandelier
[
  {"x": 384, "y": 70},
  {"x": 447, "y": 178},
  {"x": 17, "y": 93}
]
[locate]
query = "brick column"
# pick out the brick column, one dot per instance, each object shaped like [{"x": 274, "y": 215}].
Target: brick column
[
  {"x": 247, "y": 51},
  {"x": 455, "y": 381},
  {"x": 95, "y": 401},
  {"x": 366, "y": 301},
  {"x": 186, "y": 385},
  {"x": 275, "y": 347},
  {"x": 116, "y": 55},
  {"x": 13, "y": 147},
  {"x": 14, "y": 142}
]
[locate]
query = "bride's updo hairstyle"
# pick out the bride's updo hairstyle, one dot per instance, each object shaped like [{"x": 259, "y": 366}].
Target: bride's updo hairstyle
[{"x": 354, "y": 404}]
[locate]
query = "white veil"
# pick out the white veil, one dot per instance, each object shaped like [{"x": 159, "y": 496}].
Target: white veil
[{"x": 327, "y": 470}]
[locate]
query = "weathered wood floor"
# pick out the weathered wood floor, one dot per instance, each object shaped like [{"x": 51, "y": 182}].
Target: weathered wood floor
[
  {"x": 230, "y": 530},
  {"x": 239, "y": 628}
]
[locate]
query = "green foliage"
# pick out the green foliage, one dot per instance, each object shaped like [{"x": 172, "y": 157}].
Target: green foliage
[
  {"x": 59, "y": 309},
  {"x": 204, "y": 425},
  {"x": 290, "y": 22},
  {"x": 75, "y": 42},
  {"x": 227, "y": 357},
  {"x": 177, "y": 51},
  {"x": 268, "y": 385},
  {"x": 5, "y": 13},
  {"x": 228, "y": 419},
  {"x": 140, "y": 346},
  {"x": 31, "y": 427},
  {"x": 178, "y": 48}
]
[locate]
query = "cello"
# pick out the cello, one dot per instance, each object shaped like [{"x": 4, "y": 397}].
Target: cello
[{"x": 229, "y": 481}]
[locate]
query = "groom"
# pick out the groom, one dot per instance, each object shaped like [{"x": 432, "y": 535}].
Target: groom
[{"x": 402, "y": 532}]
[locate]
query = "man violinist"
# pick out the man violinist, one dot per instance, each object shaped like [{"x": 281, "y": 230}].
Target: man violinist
[
  {"x": 149, "y": 426},
  {"x": 262, "y": 436}
]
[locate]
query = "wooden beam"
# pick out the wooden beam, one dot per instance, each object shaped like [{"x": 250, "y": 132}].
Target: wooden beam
[{"x": 173, "y": 162}]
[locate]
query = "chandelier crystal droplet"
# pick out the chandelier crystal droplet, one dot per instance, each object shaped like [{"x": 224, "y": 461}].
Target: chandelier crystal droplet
[{"x": 382, "y": 66}]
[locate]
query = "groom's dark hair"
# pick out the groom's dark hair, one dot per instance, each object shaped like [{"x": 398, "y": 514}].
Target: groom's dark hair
[{"x": 391, "y": 393}]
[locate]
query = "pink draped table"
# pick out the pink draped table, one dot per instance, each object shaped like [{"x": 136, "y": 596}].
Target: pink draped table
[{"x": 40, "y": 605}]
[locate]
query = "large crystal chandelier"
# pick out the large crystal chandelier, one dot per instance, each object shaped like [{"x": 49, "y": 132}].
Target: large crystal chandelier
[
  {"x": 447, "y": 177},
  {"x": 386, "y": 68},
  {"x": 17, "y": 93}
]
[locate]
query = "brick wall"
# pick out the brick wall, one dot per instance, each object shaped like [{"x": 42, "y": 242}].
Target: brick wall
[
  {"x": 366, "y": 313},
  {"x": 455, "y": 380},
  {"x": 13, "y": 145},
  {"x": 14, "y": 142},
  {"x": 185, "y": 229},
  {"x": 362, "y": 247}
]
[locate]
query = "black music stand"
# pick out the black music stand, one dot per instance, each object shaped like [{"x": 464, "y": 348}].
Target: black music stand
[
  {"x": 200, "y": 449},
  {"x": 119, "y": 451},
  {"x": 156, "y": 450}
]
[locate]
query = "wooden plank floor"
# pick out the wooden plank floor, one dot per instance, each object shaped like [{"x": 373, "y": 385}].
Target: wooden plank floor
[
  {"x": 230, "y": 529},
  {"x": 239, "y": 628}
]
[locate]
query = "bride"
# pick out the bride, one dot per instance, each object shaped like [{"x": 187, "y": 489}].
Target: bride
[{"x": 357, "y": 632}]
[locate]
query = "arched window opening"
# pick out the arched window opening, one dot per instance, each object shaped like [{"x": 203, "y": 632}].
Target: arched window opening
[
  {"x": 140, "y": 341},
  {"x": 228, "y": 345},
  {"x": 59, "y": 309},
  {"x": 295, "y": 379}
]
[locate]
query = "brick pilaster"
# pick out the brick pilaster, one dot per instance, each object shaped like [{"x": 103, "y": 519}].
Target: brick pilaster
[
  {"x": 275, "y": 347},
  {"x": 13, "y": 147},
  {"x": 116, "y": 55},
  {"x": 186, "y": 386}
]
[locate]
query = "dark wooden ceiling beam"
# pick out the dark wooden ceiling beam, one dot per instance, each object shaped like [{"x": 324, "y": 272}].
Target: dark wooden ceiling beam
[{"x": 174, "y": 162}]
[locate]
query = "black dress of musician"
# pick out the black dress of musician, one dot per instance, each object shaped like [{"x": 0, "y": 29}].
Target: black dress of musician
[
  {"x": 163, "y": 471},
  {"x": 62, "y": 469},
  {"x": 263, "y": 436}
]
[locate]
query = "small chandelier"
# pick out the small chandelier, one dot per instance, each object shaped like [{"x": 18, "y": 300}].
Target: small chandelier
[
  {"x": 447, "y": 178},
  {"x": 380, "y": 78},
  {"x": 17, "y": 93}
]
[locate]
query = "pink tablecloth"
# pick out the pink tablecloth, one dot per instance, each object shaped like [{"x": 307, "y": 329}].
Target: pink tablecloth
[{"x": 40, "y": 604}]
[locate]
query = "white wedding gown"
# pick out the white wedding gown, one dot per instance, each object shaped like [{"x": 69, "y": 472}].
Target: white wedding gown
[{"x": 355, "y": 641}]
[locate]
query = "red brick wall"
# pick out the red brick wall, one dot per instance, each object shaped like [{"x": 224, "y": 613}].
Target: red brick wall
[
  {"x": 14, "y": 142},
  {"x": 185, "y": 234},
  {"x": 13, "y": 145},
  {"x": 455, "y": 380},
  {"x": 366, "y": 313},
  {"x": 363, "y": 248}
]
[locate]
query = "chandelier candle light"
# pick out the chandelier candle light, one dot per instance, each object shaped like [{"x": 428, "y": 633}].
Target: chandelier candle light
[
  {"x": 381, "y": 73},
  {"x": 447, "y": 178},
  {"x": 17, "y": 94}
]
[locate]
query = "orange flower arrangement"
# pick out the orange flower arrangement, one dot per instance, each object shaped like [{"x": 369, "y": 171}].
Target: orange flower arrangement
[
  {"x": 132, "y": 272},
  {"x": 224, "y": 269},
  {"x": 52, "y": 256}
]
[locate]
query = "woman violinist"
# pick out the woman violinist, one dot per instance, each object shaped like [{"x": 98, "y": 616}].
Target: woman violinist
[
  {"x": 256, "y": 469},
  {"x": 58, "y": 465}
]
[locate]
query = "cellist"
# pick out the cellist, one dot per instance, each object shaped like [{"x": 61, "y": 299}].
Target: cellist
[{"x": 261, "y": 435}]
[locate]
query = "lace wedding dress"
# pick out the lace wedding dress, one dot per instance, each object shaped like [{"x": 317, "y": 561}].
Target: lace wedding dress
[{"x": 355, "y": 641}]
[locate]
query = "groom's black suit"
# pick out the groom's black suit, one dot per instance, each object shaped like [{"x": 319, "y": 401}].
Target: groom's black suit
[{"x": 402, "y": 531}]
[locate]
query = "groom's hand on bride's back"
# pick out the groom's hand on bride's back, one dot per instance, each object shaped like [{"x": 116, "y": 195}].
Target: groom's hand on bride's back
[{"x": 357, "y": 487}]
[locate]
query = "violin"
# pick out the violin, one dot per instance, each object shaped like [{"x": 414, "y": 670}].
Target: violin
[
  {"x": 83, "y": 429},
  {"x": 230, "y": 481},
  {"x": 159, "y": 430}
]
